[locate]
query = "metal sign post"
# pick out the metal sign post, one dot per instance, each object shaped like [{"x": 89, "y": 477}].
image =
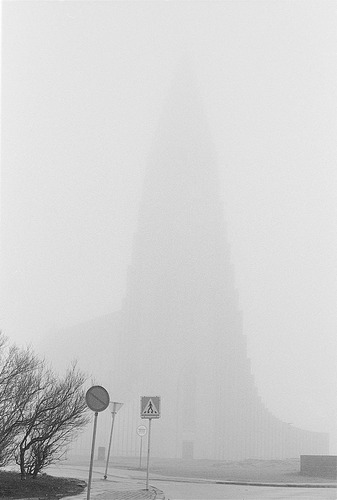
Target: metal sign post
[
  {"x": 141, "y": 431},
  {"x": 114, "y": 409},
  {"x": 148, "y": 455},
  {"x": 149, "y": 408},
  {"x": 97, "y": 399},
  {"x": 92, "y": 454},
  {"x": 140, "y": 452}
]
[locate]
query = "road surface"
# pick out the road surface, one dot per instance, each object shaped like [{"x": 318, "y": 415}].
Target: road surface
[{"x": 177, "y": 489}]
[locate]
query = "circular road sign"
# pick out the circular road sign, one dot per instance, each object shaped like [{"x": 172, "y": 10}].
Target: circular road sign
[
  {"x": 141, "y": 430},
  {"x": 97, "y": 398}
]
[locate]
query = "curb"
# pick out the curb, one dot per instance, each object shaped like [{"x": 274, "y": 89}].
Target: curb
[
  {"x": 281, "y": 485},
  {"x": 247, "y": 483}
]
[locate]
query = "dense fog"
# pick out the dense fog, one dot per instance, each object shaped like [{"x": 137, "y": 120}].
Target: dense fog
[{"x": 85, "y": 86}]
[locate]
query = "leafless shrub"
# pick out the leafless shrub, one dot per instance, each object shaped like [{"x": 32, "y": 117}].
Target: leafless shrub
[
  {"x": 40, "y": 413},
  {"x": 54, "y": 417},
  {"x": 17, "y": 388}
]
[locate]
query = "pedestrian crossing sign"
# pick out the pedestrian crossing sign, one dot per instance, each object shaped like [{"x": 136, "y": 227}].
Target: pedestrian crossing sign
[{"x": 150, "y": 406}]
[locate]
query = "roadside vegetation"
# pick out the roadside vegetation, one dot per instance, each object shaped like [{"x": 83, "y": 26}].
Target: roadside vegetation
[
  {"x": 40, "y": 413},
  {"x": 46, "y": 487}
]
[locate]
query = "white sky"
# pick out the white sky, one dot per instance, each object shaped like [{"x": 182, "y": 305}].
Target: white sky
[{"x": 83, "y": 84}]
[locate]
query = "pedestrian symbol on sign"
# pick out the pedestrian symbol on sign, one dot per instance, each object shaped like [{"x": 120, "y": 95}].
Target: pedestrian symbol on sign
[{"x": 150, "y": 407}]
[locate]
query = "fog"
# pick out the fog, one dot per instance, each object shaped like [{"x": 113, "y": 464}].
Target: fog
[{"x": 84, "y": 86}]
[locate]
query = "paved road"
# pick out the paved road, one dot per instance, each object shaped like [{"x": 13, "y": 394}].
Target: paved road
[
  {"x": 192, "y": 491},
  {"x": 179, "y": 490}
]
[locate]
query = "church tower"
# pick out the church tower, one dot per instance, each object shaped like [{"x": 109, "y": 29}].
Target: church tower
[{"x": 180, "y": 334}]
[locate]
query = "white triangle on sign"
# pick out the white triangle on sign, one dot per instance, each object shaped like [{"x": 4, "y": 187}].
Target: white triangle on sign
[{"x": 150, "y": 408}]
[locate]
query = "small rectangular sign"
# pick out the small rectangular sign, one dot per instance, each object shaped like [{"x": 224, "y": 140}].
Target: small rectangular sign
[{"x": 150, "y": 406}]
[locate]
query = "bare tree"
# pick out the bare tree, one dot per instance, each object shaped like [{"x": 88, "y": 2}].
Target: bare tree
[
  {"x": 18, "y": 385},
  {"x": 54, "y": 417},
  {"x": 40, "y": 413}
]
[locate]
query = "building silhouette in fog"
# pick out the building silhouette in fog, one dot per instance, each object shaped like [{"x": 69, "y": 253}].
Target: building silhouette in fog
[
  {"x": 179, "y": 333},
  {"x": 180, "y": 319}
]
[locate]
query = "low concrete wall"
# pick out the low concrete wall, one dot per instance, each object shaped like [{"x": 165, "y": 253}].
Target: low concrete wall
[{"x": 319, "y": 466}]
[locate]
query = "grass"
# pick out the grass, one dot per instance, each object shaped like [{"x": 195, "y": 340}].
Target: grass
[{"x": 44, "y": 486}]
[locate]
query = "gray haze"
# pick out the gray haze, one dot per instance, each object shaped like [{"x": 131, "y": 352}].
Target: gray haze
[{"x": 84, "y": 85}]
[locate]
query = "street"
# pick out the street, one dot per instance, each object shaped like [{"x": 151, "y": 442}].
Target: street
[{"x": 177, "y": 489}]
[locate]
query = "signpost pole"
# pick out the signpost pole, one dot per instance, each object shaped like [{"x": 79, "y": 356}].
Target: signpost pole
[
  {"x": 115, "y": 408},
  {"x": 107, "y": 460},
  {"x": 148, "y": 455},
  {"x": 92, "y": 454},
  {"x": 140, "y": 453},
  {"x": 141, "y": 431}
]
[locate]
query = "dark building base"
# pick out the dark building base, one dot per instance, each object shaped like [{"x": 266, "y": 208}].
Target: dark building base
[{"x": 319, "y": 466}]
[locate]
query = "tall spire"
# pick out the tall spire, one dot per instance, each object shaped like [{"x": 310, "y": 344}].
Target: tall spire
[
  {"x": 182, "y": 171},
  {"x": 181, "y": 334},
  {"x": 181, "y": 281}
]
